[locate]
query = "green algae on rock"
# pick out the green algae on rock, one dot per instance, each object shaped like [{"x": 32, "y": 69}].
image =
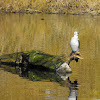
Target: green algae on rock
[
  {"x": 37, "y": 59},
  {"x": 33, "y": 58}
]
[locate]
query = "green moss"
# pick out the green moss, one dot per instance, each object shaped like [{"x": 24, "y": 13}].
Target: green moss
[
  {"x": 9, "y": 69},
  {"x": 35, "y": 58}
]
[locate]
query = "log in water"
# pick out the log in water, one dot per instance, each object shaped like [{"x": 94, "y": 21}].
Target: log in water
[
  {"x": 33, "y": 58},
  {"x": 37, "y": 59}
]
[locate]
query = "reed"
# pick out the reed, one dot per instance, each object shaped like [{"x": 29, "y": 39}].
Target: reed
[{"x": 55, "y": 6}]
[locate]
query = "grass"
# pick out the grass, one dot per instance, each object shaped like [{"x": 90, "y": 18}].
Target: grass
[{"x": 55, "y": 6}]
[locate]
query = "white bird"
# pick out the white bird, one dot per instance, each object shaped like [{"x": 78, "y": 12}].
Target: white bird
[{"x": 75, "y": 43}]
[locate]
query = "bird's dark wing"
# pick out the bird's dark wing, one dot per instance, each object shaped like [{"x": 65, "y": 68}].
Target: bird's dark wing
[{"x": 79, "y": 43}]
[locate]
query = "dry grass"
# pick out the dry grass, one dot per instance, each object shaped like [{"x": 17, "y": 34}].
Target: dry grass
[{"x": 55, "y": 6}]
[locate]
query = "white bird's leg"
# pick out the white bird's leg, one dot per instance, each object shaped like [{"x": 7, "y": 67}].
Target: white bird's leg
[{"x": 72, "y": 53}]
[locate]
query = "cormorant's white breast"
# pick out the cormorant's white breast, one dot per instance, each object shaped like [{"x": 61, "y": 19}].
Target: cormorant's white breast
[{"x": 74, "y": 43}]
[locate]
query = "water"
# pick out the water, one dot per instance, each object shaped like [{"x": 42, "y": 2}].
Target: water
[{"x": 25, "y": 32}]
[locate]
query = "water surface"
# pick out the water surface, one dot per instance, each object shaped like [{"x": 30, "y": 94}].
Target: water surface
[{"x": 25, "y": 32}]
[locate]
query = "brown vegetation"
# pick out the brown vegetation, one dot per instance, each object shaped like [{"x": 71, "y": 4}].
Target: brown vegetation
[{"x": 55, "y": 6}]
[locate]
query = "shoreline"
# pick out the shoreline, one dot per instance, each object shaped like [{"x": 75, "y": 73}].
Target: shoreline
[
  {"x": 72, "y": 12},
  {"x": 74, "y": 7}
]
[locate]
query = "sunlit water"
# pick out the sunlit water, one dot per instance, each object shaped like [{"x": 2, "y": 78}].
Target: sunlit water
[{"x": 25, "y": 32}]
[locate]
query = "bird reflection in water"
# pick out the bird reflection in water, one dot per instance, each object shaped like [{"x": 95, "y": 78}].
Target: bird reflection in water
[
  {"x": 39, "y": 75},
  {"x": 73, "y": 87}
]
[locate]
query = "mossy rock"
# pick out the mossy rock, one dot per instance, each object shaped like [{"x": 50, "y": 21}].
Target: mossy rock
[
  {"x": 34, "y": 58},
  {"x": 42, "y": 59}
]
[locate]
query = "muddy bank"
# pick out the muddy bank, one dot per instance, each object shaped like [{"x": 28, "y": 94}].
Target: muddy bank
[{"x": 51, "y": 7}]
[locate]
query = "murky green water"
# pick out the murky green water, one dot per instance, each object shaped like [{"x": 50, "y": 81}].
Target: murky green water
[{"x": 52, "y": 35}]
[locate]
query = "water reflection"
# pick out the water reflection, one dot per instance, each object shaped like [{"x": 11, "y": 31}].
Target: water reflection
[
  {"x": 37, "y": 73},
  {"x": 41, "y": 74},
  {"x": 73, "y": 87},
  {"x": 25, "y": 32}
]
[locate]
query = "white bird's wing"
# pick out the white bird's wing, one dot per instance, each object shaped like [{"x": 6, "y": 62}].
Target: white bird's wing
[{"x": 79, "y": 43}]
